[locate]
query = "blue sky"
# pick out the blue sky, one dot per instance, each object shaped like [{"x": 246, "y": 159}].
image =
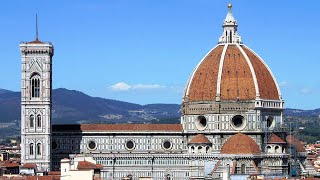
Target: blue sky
[{"x": 143, "y": 51}]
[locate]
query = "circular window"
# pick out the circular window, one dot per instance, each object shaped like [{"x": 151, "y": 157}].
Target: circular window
[
  {"x": 167, "y": 144},
  {"x": 54, "y": 145},
  {"x": 269, "y": 121},
  {"x": 238, "y": 122},
  {"x": 201, "y": 123},
  {"x": 130, "y": 145},
  {"x": 92, "y": 145}
]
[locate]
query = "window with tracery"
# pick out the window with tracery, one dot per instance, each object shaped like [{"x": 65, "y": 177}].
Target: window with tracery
[{"x": 35, "y": 86}]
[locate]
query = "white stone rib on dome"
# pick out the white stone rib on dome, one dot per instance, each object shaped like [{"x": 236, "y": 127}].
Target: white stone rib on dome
[
  {"x": 220, "y": 70},
  {"x": 265, "y": 64},
  {"x": 253, "y": 73},
  {"x": 187, "y": 88}
]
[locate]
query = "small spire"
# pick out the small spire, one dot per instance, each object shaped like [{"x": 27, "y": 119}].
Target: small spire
[
  {"x": 230, "y": 25},
  {"x": 36, "y": 41},
  {"x": 37, "y": 27}
]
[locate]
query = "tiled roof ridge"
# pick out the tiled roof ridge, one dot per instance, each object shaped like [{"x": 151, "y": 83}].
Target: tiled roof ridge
[
  {"x": 200, "y": 139},
  {"x": 118, "y": 127},
  {"x": 274, "y": 139},
  {"x": 240, "y": 144},
  {"x": 88, "y": 165}
]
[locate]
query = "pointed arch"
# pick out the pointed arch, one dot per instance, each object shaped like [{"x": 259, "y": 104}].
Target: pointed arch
[
  {"x": 39, "y": 148},
  {"x": 31, "y": 120},
  {"x": 39, "y": 120},
  {"x": 35, "y": 85},
  {"x": 31, "y": 149}
]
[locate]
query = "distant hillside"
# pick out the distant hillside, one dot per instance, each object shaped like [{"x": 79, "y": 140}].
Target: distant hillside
[
  {"x": 299, "y": 112},
  {"x": 70, "y": 106},
  {"x": 2, "y": 91}
]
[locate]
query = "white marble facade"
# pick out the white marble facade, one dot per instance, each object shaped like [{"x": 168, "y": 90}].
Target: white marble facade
[{"x": 36, "y": 88}]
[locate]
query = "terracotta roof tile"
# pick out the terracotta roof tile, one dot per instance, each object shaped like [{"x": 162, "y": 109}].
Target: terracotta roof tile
[
  {"x": 88, "y": 165},
  {"x": 274, "y": 139},
  {"x": 199, "y": 139},
  {"x": 29, "y": 166},
  {"x": 203, "y": 86},
  {"x": 236, "y": 77},
  {"x": 41, "y": 178},
  {"x": 118, "y": 127},
  {"x": 240, "y": 144},
  {"x": 54, "y": 173},
  {"x": 267, "y": 86},
  {"x": 236, "y": 80},
  {"x": 36, "y": 41},
  {"x": 9, "y": 164},
  {"x": 292, "y": 141}
]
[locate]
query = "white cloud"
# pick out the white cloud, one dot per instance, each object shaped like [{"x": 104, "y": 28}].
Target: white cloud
[
  {"x": 122, "y": 86},
  {"x": 283, "y": 83},
  {"x": 305, "y": 90},
  {"x": 147, "y": 86}
]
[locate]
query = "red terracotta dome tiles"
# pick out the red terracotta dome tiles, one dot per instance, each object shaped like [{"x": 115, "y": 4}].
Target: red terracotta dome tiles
[
  {"x": 267, "y": 86},
  {"x": 237, "y": 81},
  {"x": 203, "y": 86},
  {"x": 199, "y": 139},
  {"x": 240, "y": 144}
]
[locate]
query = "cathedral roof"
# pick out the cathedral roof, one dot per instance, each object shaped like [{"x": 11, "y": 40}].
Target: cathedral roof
[
  {"x": 231, "y": 71},
  {"x": 88, "y": 165},
  {"x": 296, "y": 143},
  {"x": 240, "y": 144},
  {"x": 274, "y": 139},
  {"x": 118, "y": 127},
  {"x": 199, "y": 139}
]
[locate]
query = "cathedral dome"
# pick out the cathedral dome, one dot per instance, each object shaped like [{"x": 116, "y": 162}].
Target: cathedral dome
[
  {"x": 231, "y": 71},
  {"x": 240, "y": 144},
  {"x": 199, "y": 139}
]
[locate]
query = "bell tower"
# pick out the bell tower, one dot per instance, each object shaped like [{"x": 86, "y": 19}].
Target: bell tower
[{"x": 36, "y": 100}]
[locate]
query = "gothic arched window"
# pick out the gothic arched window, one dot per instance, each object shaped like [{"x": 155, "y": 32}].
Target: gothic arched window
[
  {"x": 31, "y": 149},
  {"x": 35, "y": 86},
  {"x": 39, "y": 120},
  {"x": 168, "y": 177},
  {"x": 38, "y": 149},
  {"x": 31, "y": 120}
]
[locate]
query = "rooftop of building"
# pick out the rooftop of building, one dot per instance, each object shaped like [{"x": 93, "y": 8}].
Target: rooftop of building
[
  {"x": 240, "y": 144},
  {"x": 117, "y": 127}
]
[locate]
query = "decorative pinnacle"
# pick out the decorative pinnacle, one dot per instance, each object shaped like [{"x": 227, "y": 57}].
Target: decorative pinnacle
[{"x": 229, "y": 7}]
